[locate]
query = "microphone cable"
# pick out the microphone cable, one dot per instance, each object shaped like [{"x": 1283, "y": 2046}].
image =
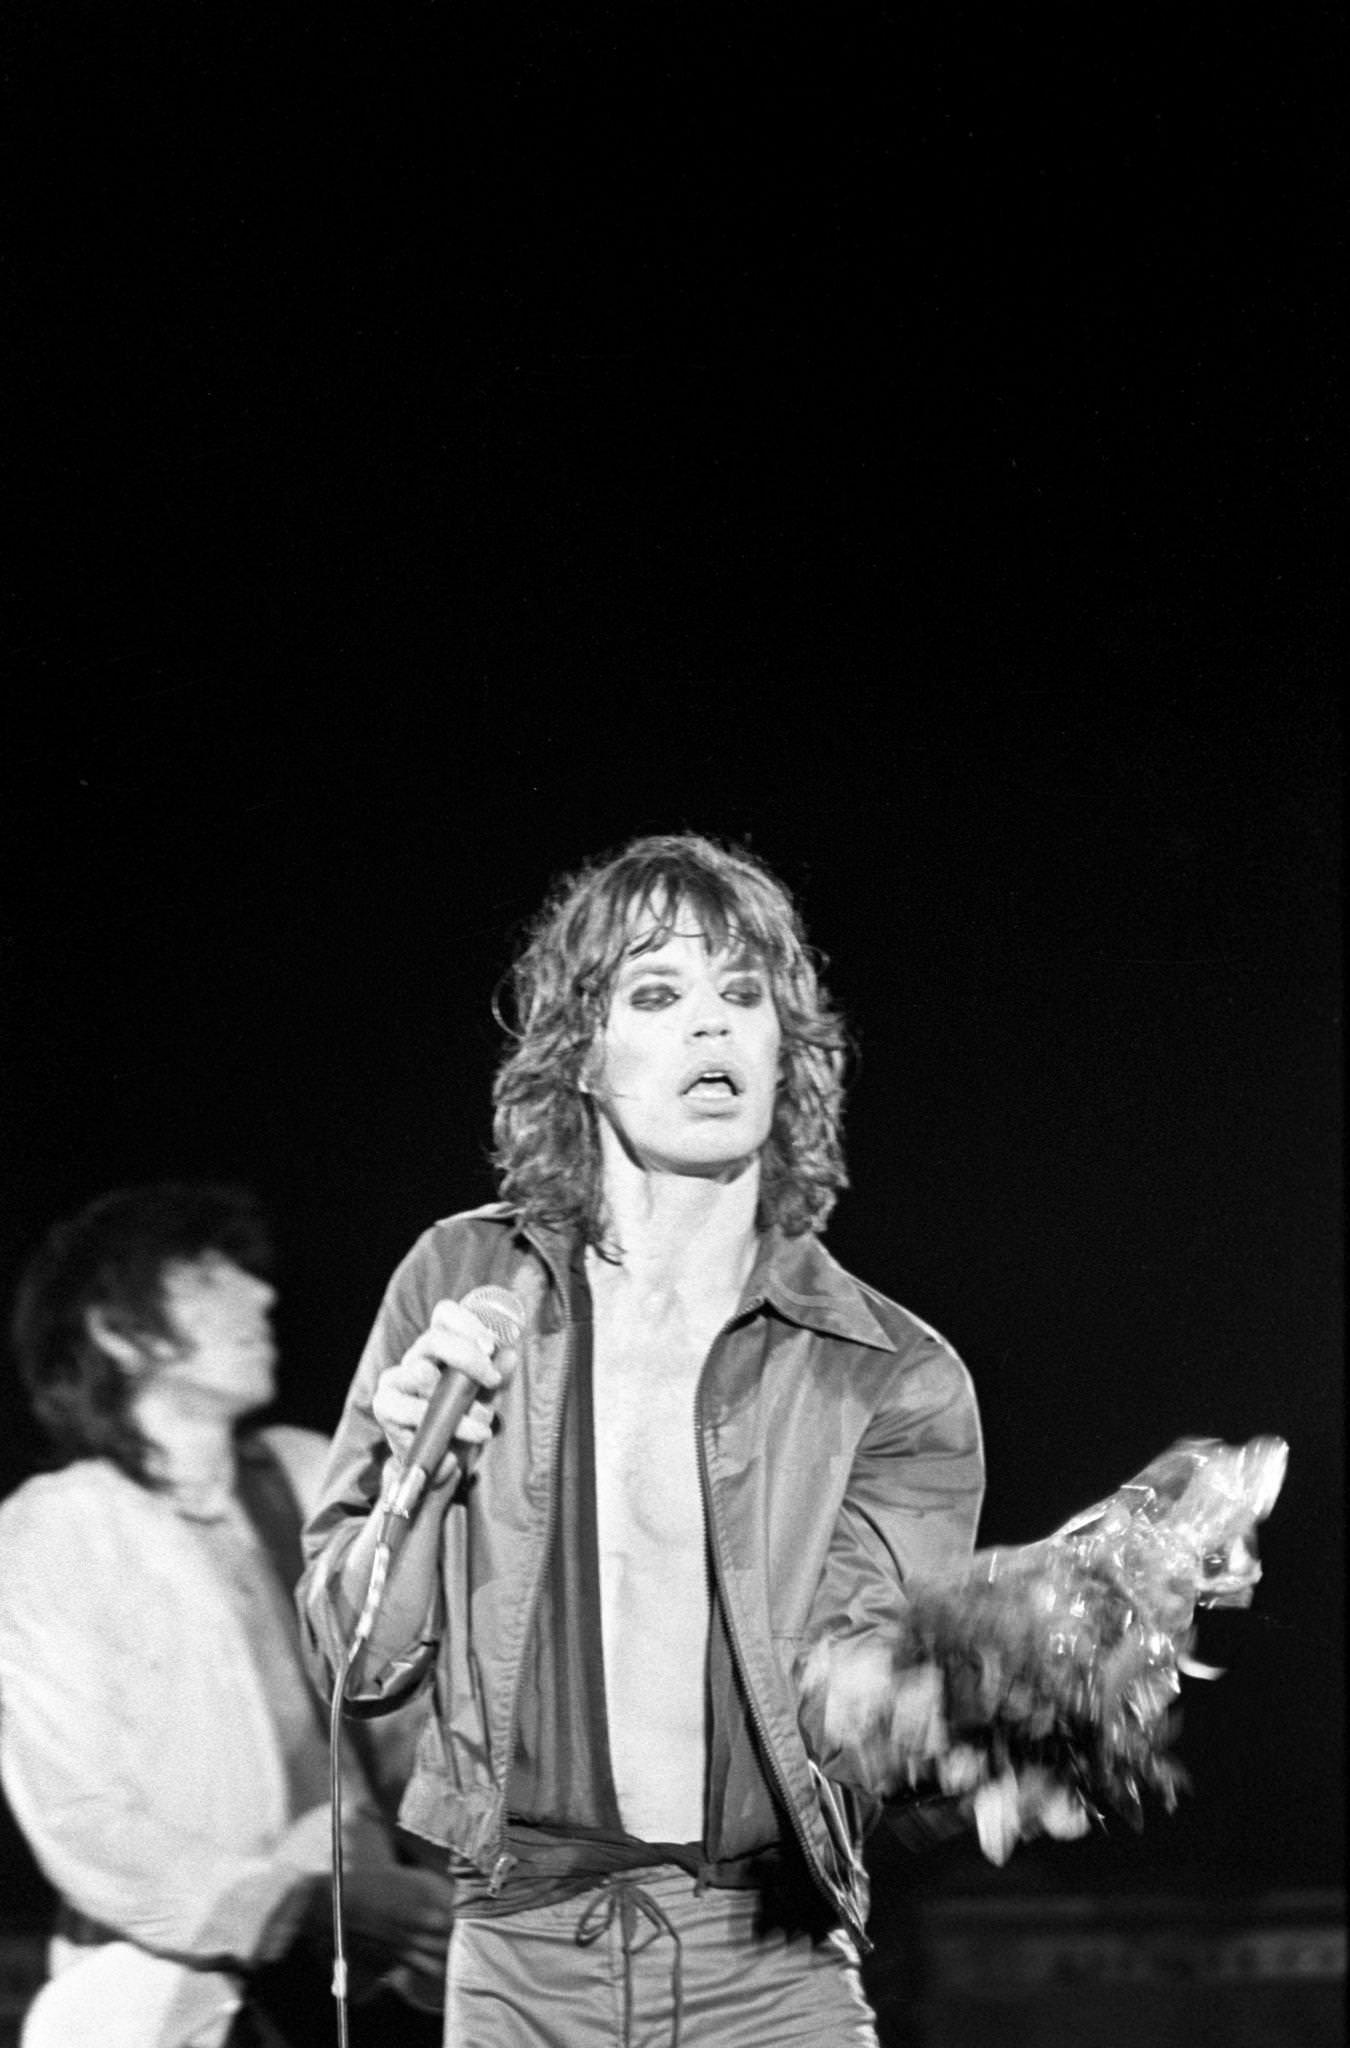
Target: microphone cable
[
  {"x": 504, "y": 1316},
  {"x": 379, "y": 1571}
]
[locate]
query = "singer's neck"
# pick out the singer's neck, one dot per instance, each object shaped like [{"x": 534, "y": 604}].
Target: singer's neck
[{"x": 681, "y": 1233}]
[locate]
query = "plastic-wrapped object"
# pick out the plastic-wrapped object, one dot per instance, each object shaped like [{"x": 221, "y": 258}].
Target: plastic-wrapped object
[{"x": 1041, "y": 1679}]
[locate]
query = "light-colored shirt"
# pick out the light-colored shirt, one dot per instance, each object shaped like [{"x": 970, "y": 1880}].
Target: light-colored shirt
[{"x": 147, "y": 1754}]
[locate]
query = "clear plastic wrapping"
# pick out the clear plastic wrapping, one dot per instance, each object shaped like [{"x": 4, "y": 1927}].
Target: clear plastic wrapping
[{"x": 1041, "y": 1679}]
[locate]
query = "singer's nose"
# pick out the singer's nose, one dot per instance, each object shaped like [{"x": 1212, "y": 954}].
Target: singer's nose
[{"x": 707, "y": 1017}]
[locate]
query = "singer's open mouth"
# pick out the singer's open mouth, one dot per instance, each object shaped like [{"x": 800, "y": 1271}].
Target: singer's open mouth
[{"x": 716, "y": 1083}]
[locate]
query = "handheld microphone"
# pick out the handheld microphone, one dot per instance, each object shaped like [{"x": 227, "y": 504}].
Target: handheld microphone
[{"x": 502, "y": 1314}]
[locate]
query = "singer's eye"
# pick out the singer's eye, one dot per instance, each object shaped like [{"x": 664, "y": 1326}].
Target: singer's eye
[
  {"x": 653, "y": 995},
  {"x": 747, "y": 993}
]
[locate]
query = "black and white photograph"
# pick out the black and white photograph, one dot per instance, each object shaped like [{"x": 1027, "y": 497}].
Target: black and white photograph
[{"x": 670, "y": 976}]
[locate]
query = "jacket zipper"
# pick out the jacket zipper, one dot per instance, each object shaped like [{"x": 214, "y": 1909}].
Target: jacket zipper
[{"x": 845, "y": 1899}]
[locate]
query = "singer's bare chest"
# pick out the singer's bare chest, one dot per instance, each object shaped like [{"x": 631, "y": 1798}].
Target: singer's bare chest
[{"x": 647, "y": 1360}]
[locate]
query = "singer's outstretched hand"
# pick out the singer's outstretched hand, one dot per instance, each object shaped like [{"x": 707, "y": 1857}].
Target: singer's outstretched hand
[{"x": 453, "y": 1341}]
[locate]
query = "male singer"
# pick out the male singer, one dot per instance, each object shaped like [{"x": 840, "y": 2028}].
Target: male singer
[{"x": 712, "y": 1450}]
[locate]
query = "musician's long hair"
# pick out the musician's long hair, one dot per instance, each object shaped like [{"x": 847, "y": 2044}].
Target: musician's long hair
[
  {"x": 547, "y": 1147},
  {"x": 114, "y": 1257}
]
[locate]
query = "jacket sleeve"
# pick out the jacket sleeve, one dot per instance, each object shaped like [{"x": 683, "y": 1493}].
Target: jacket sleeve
[
  {"x": 382, "y": 1764},
  {"x": 340, "y": 1532},
  {"x": 910, "y": 1508}
]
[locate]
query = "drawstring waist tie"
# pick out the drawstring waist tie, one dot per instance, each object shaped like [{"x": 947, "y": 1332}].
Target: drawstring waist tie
[{"x": 624, "y": 1898}]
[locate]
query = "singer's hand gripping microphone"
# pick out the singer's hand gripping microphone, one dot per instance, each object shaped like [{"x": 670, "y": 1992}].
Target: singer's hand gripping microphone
[{"x": 502, "y": 1314}]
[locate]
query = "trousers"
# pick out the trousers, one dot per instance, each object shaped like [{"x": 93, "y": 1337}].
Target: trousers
[{"x": 646, "y": 1960}]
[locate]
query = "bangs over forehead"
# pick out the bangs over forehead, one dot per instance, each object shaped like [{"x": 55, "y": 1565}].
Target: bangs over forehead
[
  {"x": 652, "y": 922},
  {"x": 662, "y": 894}
]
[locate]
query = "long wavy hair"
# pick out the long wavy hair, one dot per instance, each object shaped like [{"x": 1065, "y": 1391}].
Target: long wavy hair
[
  {"x": 114, "y": 1257},
  {"x": 547, "y": 1146}
]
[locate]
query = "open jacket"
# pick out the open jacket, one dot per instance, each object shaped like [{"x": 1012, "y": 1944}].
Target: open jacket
[{"x": 840, "y": 1451}]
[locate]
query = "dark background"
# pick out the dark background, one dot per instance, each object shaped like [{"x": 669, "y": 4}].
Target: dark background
[{"x": 450, "y": 442}]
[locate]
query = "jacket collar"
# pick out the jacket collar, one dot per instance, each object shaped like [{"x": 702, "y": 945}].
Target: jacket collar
[
  {"x": 795, "y": 1276},
  {"x": 799, "y": 1279}
]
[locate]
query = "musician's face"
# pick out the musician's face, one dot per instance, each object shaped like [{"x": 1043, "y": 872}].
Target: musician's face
[
  {"x": 224, "y": 1359},
  {"x": 689, "y": 1055}
]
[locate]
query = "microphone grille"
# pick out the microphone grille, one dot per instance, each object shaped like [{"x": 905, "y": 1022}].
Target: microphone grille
[{"x": 499, "y": 1311}]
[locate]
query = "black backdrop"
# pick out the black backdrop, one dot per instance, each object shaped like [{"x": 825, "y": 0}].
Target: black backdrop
[{"x": 448, "y": 441}]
